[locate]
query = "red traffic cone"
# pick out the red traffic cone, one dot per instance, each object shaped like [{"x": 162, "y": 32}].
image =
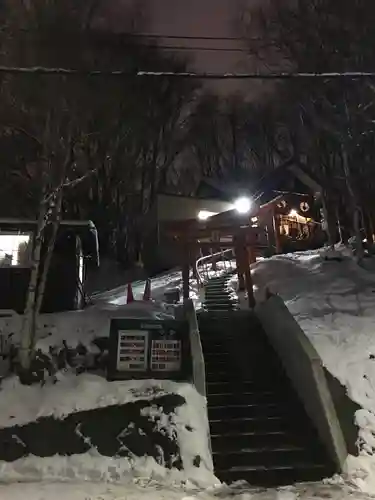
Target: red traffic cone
[
  {"x": 130, "y": 296},
  {"x": 147, "y": 292}
]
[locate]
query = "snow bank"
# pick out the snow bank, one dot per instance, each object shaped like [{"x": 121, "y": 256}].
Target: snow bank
[
  {"x": 334, "y": 303},
  {"x": 150, "y": 490},
  {"x": 96, "y": 468},
  {"x": 20, "y": 405}
]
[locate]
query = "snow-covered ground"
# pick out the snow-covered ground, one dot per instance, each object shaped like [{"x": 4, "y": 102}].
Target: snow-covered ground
[
  {"x": 334, "y": 303},
  {"x": 84, "y": 326},
  {"x": 20, "y": 405},
  {"x": 144, "y": 489}
]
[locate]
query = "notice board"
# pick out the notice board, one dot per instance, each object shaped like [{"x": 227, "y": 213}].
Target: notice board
[{"x": 142, "y": 348}]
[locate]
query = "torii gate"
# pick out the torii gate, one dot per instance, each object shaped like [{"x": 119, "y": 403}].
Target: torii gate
[{"x": 224, "y": 231}]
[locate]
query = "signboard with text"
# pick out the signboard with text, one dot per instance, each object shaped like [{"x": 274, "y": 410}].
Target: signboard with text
[
  {"x": 132, "y": 350},
  {"x": 141, "y": 348},
  {"x": 166, "y": 355}
]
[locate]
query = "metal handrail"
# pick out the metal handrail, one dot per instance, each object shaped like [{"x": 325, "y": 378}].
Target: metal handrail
[{"x": 202, "y": 261}]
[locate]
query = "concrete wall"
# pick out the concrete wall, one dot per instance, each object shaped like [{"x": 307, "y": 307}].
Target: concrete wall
[
  {"x": 170, "y": 208},
  {"x": 188, "y": 312},
  {"x": 304, "y": 368}
]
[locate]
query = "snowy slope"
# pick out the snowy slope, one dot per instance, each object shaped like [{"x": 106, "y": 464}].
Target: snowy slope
[
  {"x": 334, "y": 303},
  {"x": 84, "y": 326}
]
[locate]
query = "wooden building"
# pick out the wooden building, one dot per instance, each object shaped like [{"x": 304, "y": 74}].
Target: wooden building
[{"x": 289, "y": 199}]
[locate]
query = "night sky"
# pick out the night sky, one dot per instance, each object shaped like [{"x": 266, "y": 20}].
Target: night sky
[
  {"x": 191, "y": 18},
  {"x": 213, "y": 18}
]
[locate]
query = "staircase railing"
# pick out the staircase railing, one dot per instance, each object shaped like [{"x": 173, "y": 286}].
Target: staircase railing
[{"x": 213, "y": 265}]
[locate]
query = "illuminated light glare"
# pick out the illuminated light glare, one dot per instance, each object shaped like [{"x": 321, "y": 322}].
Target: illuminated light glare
[
  {"x": 10, "y": 246},
  {"x": 242, "y": 205},
  {"x": 205, "y": 214},
  {"x": 254, "y": 219},
  {"x": 293, "y": 213}
]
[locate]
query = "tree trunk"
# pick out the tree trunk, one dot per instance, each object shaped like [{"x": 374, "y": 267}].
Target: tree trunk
[
  {"x": 48, "y": 256},
  {"x": 339, "y": 228},
  {"x": 356, "y": 210},
  {"x": 368, "y": 228},
  {"x": 28, "y": 323},
  {"x": 327, "y": 216}
]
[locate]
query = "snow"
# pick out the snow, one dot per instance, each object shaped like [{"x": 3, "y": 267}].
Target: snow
[
  {"x": 151, "y": 490},
  {"x": 334, "y": 303},
  {"x": 74, "y": 327},
  {"x": 158, "y": 286},
  {"x": 20, "y": 405},
  {"x": 83, "y": 327}
]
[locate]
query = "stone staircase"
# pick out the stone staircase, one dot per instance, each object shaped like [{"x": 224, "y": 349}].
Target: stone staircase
[{"x": 259, "y": 430}]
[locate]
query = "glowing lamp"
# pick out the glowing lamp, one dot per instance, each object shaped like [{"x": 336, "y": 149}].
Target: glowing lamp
[
  {"x": 243, "y": 205},
  {"x": 205, "y": 214}
]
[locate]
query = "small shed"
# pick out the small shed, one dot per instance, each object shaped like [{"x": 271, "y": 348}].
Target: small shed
[{"x": 76, "y": 248}]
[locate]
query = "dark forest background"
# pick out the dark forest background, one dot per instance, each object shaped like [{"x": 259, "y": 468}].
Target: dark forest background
[{"x": 132, "y": 138}]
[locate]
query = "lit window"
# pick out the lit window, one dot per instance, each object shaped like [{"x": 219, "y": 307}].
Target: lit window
[{"x": 15, "y": 249}]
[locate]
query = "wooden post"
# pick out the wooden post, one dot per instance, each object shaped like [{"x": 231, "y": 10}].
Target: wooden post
[
  {"x": 252, "y": 255},
  {"x": 237, "y": 253},
  {"x": 244, "y": 267},
  {"x": 276, "y": 228},
  {"x": 194, "y": 258},
  {"x": 251, "y": 242}
]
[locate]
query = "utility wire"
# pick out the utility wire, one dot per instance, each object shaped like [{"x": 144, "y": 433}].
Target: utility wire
[
  {"x": 192, "y": 48},
  {"x": 38, "y": 70},
  {"x": 191, "y": 37},
  {"x": 154, "y": 36},
  {"x": 134, "y": 40}
]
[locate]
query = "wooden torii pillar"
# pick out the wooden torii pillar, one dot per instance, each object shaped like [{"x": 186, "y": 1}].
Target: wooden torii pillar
[
  {"x": 276, "y": 229},
  {"x": 245, "y": 281}
]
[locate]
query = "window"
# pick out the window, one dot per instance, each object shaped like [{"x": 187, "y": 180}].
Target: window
[{"x": 15, "y": 249}]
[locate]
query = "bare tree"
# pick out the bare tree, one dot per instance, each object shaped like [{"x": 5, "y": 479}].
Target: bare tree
[{"x": 331, "y": 122}]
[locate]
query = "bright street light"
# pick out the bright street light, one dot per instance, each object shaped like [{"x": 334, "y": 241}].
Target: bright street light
[{"x": 243, "y": 205}]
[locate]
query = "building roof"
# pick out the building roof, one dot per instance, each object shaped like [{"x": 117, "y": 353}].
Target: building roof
[
  {"x": 85, "y": 229},
  {"x": 289, "y": 177}
]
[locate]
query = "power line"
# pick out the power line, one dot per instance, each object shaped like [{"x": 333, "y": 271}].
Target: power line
[
  {"x": 192, "y": 48},
  {"x": 38, "y": 70},
  {"x": 157, "y": 36},
  {"x": 192, "y": 37}
]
